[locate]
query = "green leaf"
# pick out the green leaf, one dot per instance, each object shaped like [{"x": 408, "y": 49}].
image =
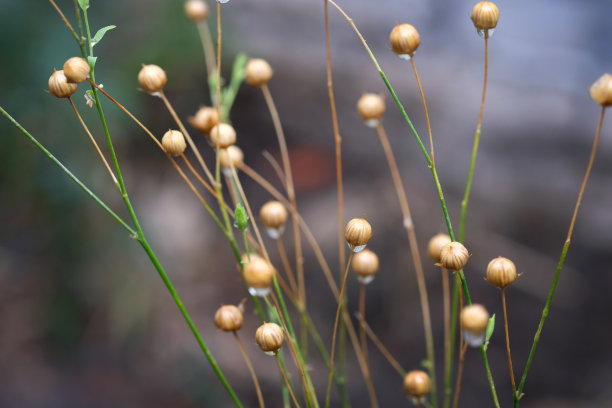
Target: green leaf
[
  {"x": 92, "y": 61},
  {"x": 489, "y": 332},
  {"x": 98, "y": 37},
  {"x": 242, "y": 220},
  {"x": 84, "y": 4}
]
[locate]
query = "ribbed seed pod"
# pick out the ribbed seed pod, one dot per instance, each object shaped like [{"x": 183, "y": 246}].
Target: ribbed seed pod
[
  {"x": 435, "y": 245},
  {"x": 258, "y": 72},
  {"x": 205, "y": 119},
  {"x": 76, "y": 70},
  {"x": 357, "y": 234},
  {"x": 230, "y": 157},
  {"x": 601, "y": 90},
  {"x": 485, "y": 15},
  {"x": 196, "y": 10},
  {"x": 229, "y": 318},
  {"x": 59, "y": 85},
  {"x": 174, "y": 142},
  {"x": 371, "y": 107},
  {"x": 365, "y": 265},
  {"x": 151, "y": 78},
  {"x": 269, "y": 337},
  {"x": 501, "y": 272},
  {"x": 474, "y": 320},
  {"x": 454, "y": 256},
  {"x": 417, "y": 385},
  {"x": 273, "y": 216},
  {"x": 223, "y": 135},
  {"x": 258, "y": 275},
  {"x": 405, "y": 40}
]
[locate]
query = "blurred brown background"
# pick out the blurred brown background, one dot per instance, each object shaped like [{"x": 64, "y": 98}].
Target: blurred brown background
[{"x": 86, "y": 322}]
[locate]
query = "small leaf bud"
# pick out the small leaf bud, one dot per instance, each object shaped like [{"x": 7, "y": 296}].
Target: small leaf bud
[
  {"x": 152, "y": 78},
  {"x": 76, "y": 70},
  {"x": 485, "y": 15},
  {"x": 223, "y": 135},
  {"x": 258, "y": 72},
  {"x": 242, "y": 219},
  {"x": 371, "y": 107},
  {"x": 196, "y": 10},
  {"x": 436, "y": 243},
  {"x": 601, "y": 90},
  {"x": 405, "y": 40},
  {"x": 174, "y": 142},
  {"x": 454, "y": 256},
  {"x": 365, "y": 266},
  {"x": 474, "y": 320},
  {"x": 59, "y": 85},
  {"x": 357, "y": 234},
  {"x": 501, "y": 272},
  {"x": 228, "y": 318},
  {"x": 270, "y": 338}
]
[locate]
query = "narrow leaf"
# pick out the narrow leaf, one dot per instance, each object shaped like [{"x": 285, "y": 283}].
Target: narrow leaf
[
  {"x": 92, "y": 61},
  {"x": 489, "y": 332},
  {"x": 84, "y": 4},
  {"x": 98, "y": 37}
]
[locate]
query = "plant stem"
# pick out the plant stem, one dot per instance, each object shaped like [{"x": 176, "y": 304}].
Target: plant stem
[
  {"x": 503, "y": 295},
  {"x": 287, "y": 383},
  {"x": 448, "y": 378},
  {"x": 247, "y": 360},
  {"x": 288, "y": 272},
  {"x": 447, "y": 317},
  {"x": 209, "y": 51},
  {"x": 459, "y": 374},
  {"x": 418, "y": 80},
  {"x": 381, "y": 347},
  {"x": 362, "y": 334},
  {"x": 519, "y": 392}
]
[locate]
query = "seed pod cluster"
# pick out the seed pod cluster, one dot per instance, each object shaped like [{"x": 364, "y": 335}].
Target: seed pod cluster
[
  {"x": 404, "y": 39},
  {"x": 501, "y": 272},
  {"x": 258, "y": 72},
  {"x": 435, "y": 245},
  {"x": 365, "y": 265},
  {"x": 59, "y": 85},
  {"x": 229, "y": 318},
  {"x": 454, "y": 256},
  {"x": 357, "y": 234},
  {"x": 270, "y": 338},
  {"x": 174, "y": 142},
  {"x": 152, "y": 78}
]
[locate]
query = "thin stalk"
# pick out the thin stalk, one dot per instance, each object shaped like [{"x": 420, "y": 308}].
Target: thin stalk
[
  {"x": 93, "y": 140},
  {"x": 459, "y": 374},
  {"x": 362, "y": 334},
  {"x": 503, "y": 296},
  {"x": 77, "y": 12},
  {"x": 274, "y": 163},
  {"x": 209, "y": 50},
  {"x": 218, "y": 93},
  {"x": 519, "y": 392},
  {"x": 447, "y": 319},
  {"x": 381, "y": 347},
  {"x": 247, "y": 360},
  {"x": 288, "y": 272},
  {"x": 280, "y": 368},
  {"x": 418, "y": 80},
  {"x": 65, "y": 20},
  {"x": 448, "y": 377}
]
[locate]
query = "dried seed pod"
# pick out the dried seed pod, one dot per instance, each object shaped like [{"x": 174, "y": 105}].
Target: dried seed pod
[
  {"x": 501, "y": 272},
  {"x": 417, "y": 384},
  {"x": 365, "y": 266},
  {"x": 174, "y": 142},
  {"x": 59, "y": 85},
  {"x": 196, "y": 10},
  {"x": 357, "y": 234},
  {"x": 205, "y": 119},
  {"x": 228, "y": 318},
  {"x": 474, "y": 320},
  {"x": 222, "y": 135},
  {"x": 151, "y": 78},
  {"x": 258, "y": 275},
  {"x": 485, "y": 15},
  {"x": 454, "y": 256},
  {"x": 258, "y": 72},
  {"x": 405, "y": 40},
  {"x": 601, "y": 90},
  {"x": 76, "y": 70},
  {"x": 273, "y": 216},
  {"x": 230, "y": 157},
  {"x": 436, "y": 243},
  {"x": 371, "y": 107},
  {"x": 270, "y": 338}
]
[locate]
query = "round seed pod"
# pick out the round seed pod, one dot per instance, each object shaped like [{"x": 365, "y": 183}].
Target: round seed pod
[
  {"x": 365, "y": 266},
  {"x": 228, "y": 318},
  {"x": 196, "y": 10},
  {"x": 501, "y": 272},
  {"x": 231, "y": 157},
  {"x": 474, "y": 320},
  {"x": 371, "y": 107},
  {"x": 485, "y": 15},
  {"x": 258, "y": 72},
  {"x": 454, "y": 256},
  {"x": 205, "y": 119},
  {"x": 404, "y": 39},
  {"x": 357, "y": 234},
  {"x": 270, "y": 338},
  {"x": 601, "y": 90},
  {"x": 273, "y": 216},
  {"x": 417, "y": 384},
  {"x": 258, "y": 275},
  {"x": 76, "y": 70},
  {"x": 222, "y": 135},
  {"x": 436, "y": 243},
  {"x": 152, "y": 78},
  {"x": 59, "y": 85},
  {"x": 174, "y": 142}
]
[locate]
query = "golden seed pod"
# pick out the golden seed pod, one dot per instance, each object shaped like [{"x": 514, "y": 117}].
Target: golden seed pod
[
  {"x": 454, "y": 256},
  {"x": 205, "y": 119},
  {"x": 371, "y": 106},
  {"x": 365, "y": 266},
  {"x": 151, "y": 78},
  {"x": 485, "y": 15},
  {"x": 436, "y": 243},
  {"x": 357, "y": 233},
  {"x": 245, "y": 257},
  {"x": 258, "y": 72},
  {"x": 417, "y": 384},
  {"x": 174, "y": 142},
  {"x": 273, "y": 215},
  {"x": 76, "y": 70},
  {"x": 228, "y": 318},
  {"x": 196, "y": 10},
  {"x": 59, "y": 85},
  {"x": 270, "y": 337},
  {"x": 231, "y": 157},
  {"x": 501, "y": 272},
  {"x": 474, "y": 318},
  {"x": 404, "y": 39},
  {"x": 601, "y": 90},
  {"x": 223, "y": 135},
  {"x": 258, "y": 275}
]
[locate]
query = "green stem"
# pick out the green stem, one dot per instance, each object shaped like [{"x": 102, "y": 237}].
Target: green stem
[{"x": 448, "y": 380}]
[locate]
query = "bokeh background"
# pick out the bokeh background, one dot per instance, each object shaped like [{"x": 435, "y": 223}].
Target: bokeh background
[{"x": 86, "y": 322}]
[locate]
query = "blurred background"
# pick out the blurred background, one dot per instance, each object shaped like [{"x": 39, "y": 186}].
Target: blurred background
[{"x": 86, "y": 322}]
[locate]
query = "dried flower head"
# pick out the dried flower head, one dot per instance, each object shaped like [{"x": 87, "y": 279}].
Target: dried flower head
[
  {"x": 258, "y": 72},
  {"x": 229, "y": 318},
  {"x": 436, "y": 243},
  {"x": 485, "y": 15},
  {"x": 601, "y": 90},
  {"x": 76, "y": 70},
  {"x": 273, "y": 216},
  {"x": 365, "y": 266},
  {"x": 59, "y": 85},
  {"x": 270, "y": 338},
  {"x": 205, "y": 119},
  {"x": 404, "y": 39},
  {"x": 151, "y": 78},
  {"x": 501, "y": 272},
  {"x": 196, "y": 10},
  {"x": 258, "y": 275},
  {"x": 371, "y": 107},
  {"x": 222, "y": 135},
  {"x": 174, "y": 142},
  {"x": 357, "y": 233},
  {"x": 417, "y": 384},
  {"x": 474, "y": 320},
  {"x": 231, "y": 157},
  {"x": 454, "y": 256}
]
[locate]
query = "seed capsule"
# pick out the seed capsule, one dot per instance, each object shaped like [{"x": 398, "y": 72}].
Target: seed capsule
[
  {"x": 196, "y": 10},
  {"x": 434, "y": 248},
  {"x": 205, "y": 119},
  {"x": 501, "y": 272},
  {"x": 485, "y": 15},
  {"x": 223, "y": 135},
  {"x": 76, "y": 70},
  {"x": 258, "y": 72},
  {"x": 417, "y": 384},
  {"x": 273, "y": 216},
  {"x": 601, "y": 90},
  {"x": 365, "y": 266},
  {"x": 230, "y": 157},
  {"x": 454, "y": 256},
  {"x": 59, "y": 85},
  {"x": 270, "y": 338},
  {"x": 405, "y": 40},
  {"x": 258, "y": 275},
  {"x": 474, "y": 320},
  {"x": 174, "y": 142},
  {"x": 152, "y": 78},
  {"x": 228, "y": 318},
  {"x": 371, "y": 107},
  {"x": 357, "y": 234}
]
